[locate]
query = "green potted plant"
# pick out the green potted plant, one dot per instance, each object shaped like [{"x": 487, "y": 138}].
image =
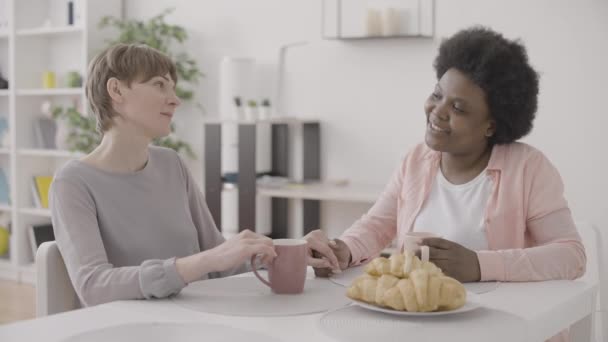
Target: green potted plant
[{"x": 156, "y": 33}]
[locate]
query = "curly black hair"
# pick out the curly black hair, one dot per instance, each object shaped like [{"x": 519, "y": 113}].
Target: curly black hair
[{"x": 500, "y": 67}]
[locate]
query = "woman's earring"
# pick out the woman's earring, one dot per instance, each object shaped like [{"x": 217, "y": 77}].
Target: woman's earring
[{"x": 489, "y": 133}]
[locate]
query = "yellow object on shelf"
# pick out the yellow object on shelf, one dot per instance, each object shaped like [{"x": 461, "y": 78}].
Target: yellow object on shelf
[
  {"x": 42, "y": 184},
  {"x": 4, "y": 239},
  {"x": 48, "y": 80}
]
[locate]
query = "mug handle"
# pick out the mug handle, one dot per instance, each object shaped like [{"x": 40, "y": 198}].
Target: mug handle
[
  {"x": 255, "y": 271},
  {"x": 424, "y": 253}
]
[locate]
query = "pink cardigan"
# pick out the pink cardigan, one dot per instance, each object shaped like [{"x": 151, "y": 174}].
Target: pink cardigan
[{"x": 529, "y": 228}]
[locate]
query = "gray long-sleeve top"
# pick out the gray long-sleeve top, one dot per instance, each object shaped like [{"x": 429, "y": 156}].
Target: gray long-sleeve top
[{"x": 120, "y": 233}]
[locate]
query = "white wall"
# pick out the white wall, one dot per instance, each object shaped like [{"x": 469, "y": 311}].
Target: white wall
[{"x": 369, "y": 94}]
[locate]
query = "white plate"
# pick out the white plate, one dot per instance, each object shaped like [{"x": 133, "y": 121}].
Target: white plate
[{"x": 471, "y": 304}]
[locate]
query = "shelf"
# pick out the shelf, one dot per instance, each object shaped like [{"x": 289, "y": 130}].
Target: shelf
[
  {"x": 36, "y": 212},
  {"x": 363, "y": 20},
  {"x": 275, "y": 120},
  {"x": 46, "y": 31},
  {"x": 325, "y": 192},
  {"x": 49, "y": 153},
  {"x": 50, "y": 92},
  {"x": 38, "y": 39},
  {"x": 411, "y": 36}
]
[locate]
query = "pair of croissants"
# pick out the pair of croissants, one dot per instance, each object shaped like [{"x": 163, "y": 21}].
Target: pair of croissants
[{"x": 404, "y": 283}]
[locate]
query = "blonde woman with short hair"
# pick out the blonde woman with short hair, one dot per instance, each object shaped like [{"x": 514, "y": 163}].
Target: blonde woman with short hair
[{"x": 129, "y": 220}]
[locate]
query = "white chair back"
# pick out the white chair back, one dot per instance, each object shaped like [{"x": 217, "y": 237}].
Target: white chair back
[{"x": 54, "y": 290}]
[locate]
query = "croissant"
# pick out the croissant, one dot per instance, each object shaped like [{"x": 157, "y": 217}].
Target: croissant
[
  {"x": 400, "y": 265},
  {"x": 404, "y": 283}
]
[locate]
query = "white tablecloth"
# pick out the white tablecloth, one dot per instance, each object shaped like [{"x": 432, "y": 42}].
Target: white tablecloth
[{"x": 513, "y": 312}]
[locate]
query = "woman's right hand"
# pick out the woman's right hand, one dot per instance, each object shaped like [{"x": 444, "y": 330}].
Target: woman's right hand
[
  {"x": 230, "y": 254},
  {"x": 326, "y": 256},
  {"x": 240, "y": 248}
]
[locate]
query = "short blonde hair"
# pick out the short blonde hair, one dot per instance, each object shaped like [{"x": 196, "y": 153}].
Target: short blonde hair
[{"x": 128, "y": 63}]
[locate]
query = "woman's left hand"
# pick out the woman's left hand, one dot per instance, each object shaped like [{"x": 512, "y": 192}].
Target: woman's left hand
[{"x": 454, "y": 260}]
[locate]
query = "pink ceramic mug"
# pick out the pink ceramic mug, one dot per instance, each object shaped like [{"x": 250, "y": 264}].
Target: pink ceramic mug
[
  {"x": 287, "y": 272},
  {"x": 412, "y": 242}
]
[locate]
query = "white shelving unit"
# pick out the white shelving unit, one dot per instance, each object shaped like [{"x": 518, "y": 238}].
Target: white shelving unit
[
  {"x": 39, "y": 39},
  {"x": 41, "y": 31},
  {"x": 298, "y": 206},
  {"x": 50, "y": 92},
  {"x": 32, "y": 152},
  {"x": 36, "y": 212}
]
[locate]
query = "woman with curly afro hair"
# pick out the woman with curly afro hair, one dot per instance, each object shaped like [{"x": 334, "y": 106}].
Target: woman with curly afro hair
[{"x": 497, "y": 204}]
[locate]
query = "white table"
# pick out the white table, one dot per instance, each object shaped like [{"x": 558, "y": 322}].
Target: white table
[{"x": 512, "y": 312}]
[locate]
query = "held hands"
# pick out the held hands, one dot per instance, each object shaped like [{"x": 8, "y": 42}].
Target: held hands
[
  {"x": 454, "y": 260},
  {"x": 326, "y": 256}
]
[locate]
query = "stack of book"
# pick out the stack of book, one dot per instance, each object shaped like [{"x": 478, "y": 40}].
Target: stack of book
[
  {"x": 39, "y": 233},
  {"x": 4, "y": 136},
  {"x": 4, "y": 189},
  {"x": 40, "y": 191},
  {"x": 5, "y": 235},
  {"x": 4, "y": 15},
  {"x": 45, "y": 130}
]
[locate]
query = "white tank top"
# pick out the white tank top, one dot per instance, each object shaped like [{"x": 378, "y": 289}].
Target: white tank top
[{"x": 457, "y": 212}]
